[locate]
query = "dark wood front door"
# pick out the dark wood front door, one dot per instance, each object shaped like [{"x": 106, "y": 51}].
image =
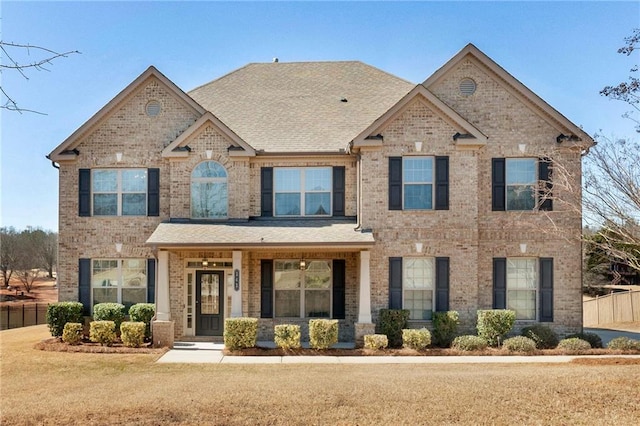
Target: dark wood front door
[{"x": 209, "y": 303}]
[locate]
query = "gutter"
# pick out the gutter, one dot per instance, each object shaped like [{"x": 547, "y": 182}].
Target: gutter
[{"x": 53, "y": 163}]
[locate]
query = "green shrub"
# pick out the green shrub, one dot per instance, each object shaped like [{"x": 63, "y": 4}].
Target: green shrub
[
  {"x": 60, "y": 313},
  {"x": 494, "y": 324},
  {"x": 544, "y": 336},
  {"x": 574, "y": 344},
  {"x": 287, "y": 336},
  {"x": 143, "y": 312},
  {"x": 594, "y": 340},
  {"x": 103, "y": 332},
  {"x": 376, "y": 341},
  {"x": 240, "y": 333},
  {"x": 323, "y": 333},
  {"x": 72, "y": 333},
  {"x": 445, "y": 327},
  {"x": 519, "y": 344},
  {"x": 109, "y": 312},
  {"x": 132, "y": 333},
  {"x": 624, "y": 344},
  {"x": 469, "y": 343},
  {"x": 416, "y": 339},
  {"x": 392, "y": 322}
]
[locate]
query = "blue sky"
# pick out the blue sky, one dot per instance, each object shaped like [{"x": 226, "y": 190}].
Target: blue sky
[{"x": 563, "y": 51}]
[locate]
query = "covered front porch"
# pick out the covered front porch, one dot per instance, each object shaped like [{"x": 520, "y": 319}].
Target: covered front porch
[{"x": 279, "y": 271}]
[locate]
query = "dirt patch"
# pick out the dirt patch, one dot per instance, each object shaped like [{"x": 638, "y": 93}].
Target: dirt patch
[
  {"x": 57, "y": 345},
  {"x": 606, "y": 361},
  {"x": 44, "y": 290}
]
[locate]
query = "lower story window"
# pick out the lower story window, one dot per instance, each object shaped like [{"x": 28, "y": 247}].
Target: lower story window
[
  {"x": 418, "y": 282},
  {"x": 119, "y": 281},
  {"x": 302, "y": 289},
  {"x": 522, "y": 285}
]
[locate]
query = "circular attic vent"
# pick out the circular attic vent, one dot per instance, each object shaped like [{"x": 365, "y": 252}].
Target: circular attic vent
[
  {"x": 467, "y": 87},
  {"x": 153, "y": 108}
]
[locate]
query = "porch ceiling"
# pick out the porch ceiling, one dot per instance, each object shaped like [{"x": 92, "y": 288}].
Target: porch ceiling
[{"x": 262, "y": 234}]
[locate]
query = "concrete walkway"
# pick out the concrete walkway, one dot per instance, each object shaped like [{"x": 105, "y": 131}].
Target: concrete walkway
[{"x": 211, "y": 353}]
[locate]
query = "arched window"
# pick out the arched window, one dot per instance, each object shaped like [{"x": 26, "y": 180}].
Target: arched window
[{"x": 209, "y": 197}]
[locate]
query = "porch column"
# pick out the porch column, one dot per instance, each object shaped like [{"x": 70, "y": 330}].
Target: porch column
[
  {"x": 236, "y": 293},
  {"x": 163, "y": 328},
  {"x": 364, "y": 313}
]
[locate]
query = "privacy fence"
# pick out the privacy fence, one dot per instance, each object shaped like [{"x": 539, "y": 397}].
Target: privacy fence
[
  {"x": 23, "y": 315},
  {"x": 615, "y": 307}
]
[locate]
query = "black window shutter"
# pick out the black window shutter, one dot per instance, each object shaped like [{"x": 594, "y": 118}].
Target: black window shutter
[
  {"x": 339, "y": 284},
  {"x": 544, "y": 175},
  {"x": 84, "y": 192},
  {"x": 442, "y": 284},
  {"x": 266, "y": 191},
  {"x": 499, "y": 283},
  {"x": 498, "y": 184},
  {"x": 266, "y": 288},
  {"x": 338, "y": 190},
  {"x": 395, "y": 183},
  {"x": 84, "y": 285},
  {"x": 151, "y": 281},
  {"x": 546, "y": 289},
  {"x": 153, "y": 192},
  {"x": 395, "y": 283},
  {"x": 442, "y": 183}
]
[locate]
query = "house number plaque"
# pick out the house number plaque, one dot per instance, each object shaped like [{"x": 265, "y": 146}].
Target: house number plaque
[{"x": 236, "y": 280}]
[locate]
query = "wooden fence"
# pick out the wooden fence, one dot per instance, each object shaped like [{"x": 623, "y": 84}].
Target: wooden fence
[
  {"x": 24, "y": 315},
  {"x": 614, "y": 307}
]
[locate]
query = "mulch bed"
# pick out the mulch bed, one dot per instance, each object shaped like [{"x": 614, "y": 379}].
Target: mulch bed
[{"x": 56, "y": 344}]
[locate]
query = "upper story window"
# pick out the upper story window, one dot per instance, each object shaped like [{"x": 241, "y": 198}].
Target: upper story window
[
  {"x": 209, "y": 194},
  {"x": 119, "y": 192},
  {"x": 521, "y": 184},
  {"x": 302, "y": 191},
  {"x": 419, "y": 183}
]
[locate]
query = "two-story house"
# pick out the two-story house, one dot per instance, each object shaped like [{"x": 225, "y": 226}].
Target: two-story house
[{"x": 290, "y": 191}]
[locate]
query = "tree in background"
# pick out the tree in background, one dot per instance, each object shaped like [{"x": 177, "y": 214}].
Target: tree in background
[{"x": 8, "y": 252}]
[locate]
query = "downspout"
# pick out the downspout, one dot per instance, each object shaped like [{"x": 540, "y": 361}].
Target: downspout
[
  {"x": 358, "y": 191},
  {"x": 154, "y": 253}
]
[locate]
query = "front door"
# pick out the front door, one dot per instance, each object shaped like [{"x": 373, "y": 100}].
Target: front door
[{"x": 209, "y": 303}]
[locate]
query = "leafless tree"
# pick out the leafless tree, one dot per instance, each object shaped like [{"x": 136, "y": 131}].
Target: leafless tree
[
  {"x": 19, "y": 59},
  {"x": 8, "y": 252}
]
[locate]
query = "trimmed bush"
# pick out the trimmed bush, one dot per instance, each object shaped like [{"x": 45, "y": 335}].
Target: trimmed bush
[
  {"x": 544, "y": 336},
  {"x": 240, "y": 333},
  {"x": 61, "y": 313},
  {"x": 624, "y": 344},
  {"x": 519, "y": 344},
  {"x": 574, "y": 344},
  {"x": 323, "y": 333},
  {"x": 376, "y": 341},
  {"x": 72, "y": 333},
  {"x": 445, "y": 328},
  {"x": 594, "y": 340},
  {"x": 416, "y": 339},
  {"x": 143, "y": 312},
  {"x": 132, "y": 333},
  {"x": 494, "y": 324},
  {"x": 103, "y": 332},
  {"x": 469, "y": 343},
  {"x": 392, "y": 322},
  {"x": 287, "y": 336},
  {"x": 109, "y": 312}
]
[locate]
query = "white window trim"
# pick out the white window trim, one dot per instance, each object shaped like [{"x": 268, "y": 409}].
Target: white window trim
[
  {"x": 433, "y": 281},
  {"x": 303, "y": 192},
  {"x": 536, "y": 289},
  {"x": 533, "y": 184},
  {"x": 432, "y": 182},
  {"x": 303, "y": 289},
  {"x": 119, "y": 192}
]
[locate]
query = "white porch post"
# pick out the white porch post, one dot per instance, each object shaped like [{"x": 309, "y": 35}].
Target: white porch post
[
  {"x": 236, "y": 293},
  {"x": 162, "y": 302},
  {"x": 364, "y": 313}
]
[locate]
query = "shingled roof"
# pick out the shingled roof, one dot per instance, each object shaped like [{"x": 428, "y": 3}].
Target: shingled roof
[{"x": 301, "y": 106}]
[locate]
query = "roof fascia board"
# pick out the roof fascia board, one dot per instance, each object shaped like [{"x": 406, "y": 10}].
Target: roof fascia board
[
  {"x": 75, "y": 137},
  {"x": 513, "y": 86},
  {"x": 207, "y": 117},
  {"x": 441, "y": 108}
]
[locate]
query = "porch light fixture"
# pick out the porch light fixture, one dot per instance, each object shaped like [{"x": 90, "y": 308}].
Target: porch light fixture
[
  {"x": 418, "y": 146},
  {"x": 303, "y": 264},
  {"x": 523, "y": 248},
  {"x": 118, "y": 247},
  {"x": 418, "y": 247},
  {"x": 205, "y": 262},
  {"x": 118, "y": 157}
]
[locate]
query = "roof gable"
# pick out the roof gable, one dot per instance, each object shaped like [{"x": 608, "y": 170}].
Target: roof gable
[
  {"x": 513, "y": 86},
  {"x": 64, "y": 151}
]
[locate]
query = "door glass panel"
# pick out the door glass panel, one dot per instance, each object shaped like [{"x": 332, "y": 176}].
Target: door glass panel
[{"x": 210, "y": 295}]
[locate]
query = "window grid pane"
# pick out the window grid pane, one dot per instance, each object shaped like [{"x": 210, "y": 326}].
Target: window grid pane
[
  {"x": 119, "y": 281},
  {"x": 417, "y": 183},
  {"x": 209, "y": 191},
  {"x": 119, "y": 192},
  {"x": 302, "y": 293},
  {"x": 418, "y": 277},
  {"x": 522, "y": 286},
  {"x": 521, "y": 183},
  {"x": 302, "y": 192}
]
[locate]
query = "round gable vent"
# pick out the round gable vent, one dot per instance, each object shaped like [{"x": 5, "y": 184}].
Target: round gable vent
[
  {"x": 153, "y": 108},
  {"x": 467, "y": 87}
]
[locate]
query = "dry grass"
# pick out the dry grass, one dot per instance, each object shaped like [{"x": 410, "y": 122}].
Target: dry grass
[{"x": 41, "y": 387}]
